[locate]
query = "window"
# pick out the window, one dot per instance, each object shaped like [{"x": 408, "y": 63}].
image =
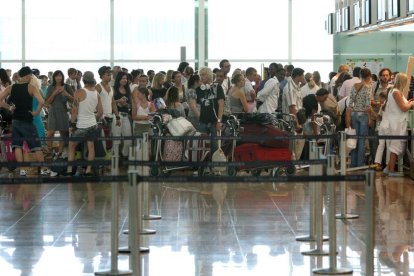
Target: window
[
  {"x": 258, "y": 30},
  {"x": 366, "y": 12},
  {"x": 153, "y": 30},
  {"x": 410, "y": 6},
  {"x": 338, "y": 21},
  {"x": 382, "y": 10},
  {"x": 10, "y": 29},
  {"x": 309, "y": 40},
  {"x": 75, "y": 30},
  {"x": 393, "y": 9},
  {"x": 345, "y": 19}
]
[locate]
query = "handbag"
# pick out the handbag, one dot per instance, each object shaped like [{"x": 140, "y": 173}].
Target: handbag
[
  {"x": 351, "y": 143},
  {"x": 181, "y": 127}
]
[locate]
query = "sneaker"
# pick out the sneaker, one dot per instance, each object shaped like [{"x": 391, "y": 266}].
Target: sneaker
[
  {"x": 53, "y": 174},
  {"x": 23, "y": 172},
  {"x": 385, "y": 171},
  {"x": 48, "y": 172}
]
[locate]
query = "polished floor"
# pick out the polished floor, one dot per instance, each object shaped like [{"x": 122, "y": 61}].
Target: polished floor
[{"x": 206, "y": 229}]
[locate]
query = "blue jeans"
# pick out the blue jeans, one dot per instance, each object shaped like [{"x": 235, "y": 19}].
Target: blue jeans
[
  {"x": 211, "y": 129},
  {"x": 360, "y": 124}
]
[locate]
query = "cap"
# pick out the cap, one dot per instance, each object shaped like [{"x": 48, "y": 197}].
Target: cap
[
  {"x": 88, "y": 78},
  {"x": 24, "y": 71},
  {"x": 103, "y": 70}
]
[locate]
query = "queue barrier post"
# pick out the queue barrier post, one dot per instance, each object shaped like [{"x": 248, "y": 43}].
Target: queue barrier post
[
  {"x": 344, "y": 204},
  {"x": 332, "y": 270},
  {"x": 114, "y": 221},
  {"x": 318, "y": 218}
]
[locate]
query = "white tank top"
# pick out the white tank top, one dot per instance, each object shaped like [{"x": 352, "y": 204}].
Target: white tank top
[
  {"x": 87, "y": 108},
  {"x": 106, "y": 99},
  {"x": 143, "y": 111}
]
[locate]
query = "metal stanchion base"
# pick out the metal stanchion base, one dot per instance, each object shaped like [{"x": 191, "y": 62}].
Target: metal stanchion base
[
  {"x": 333, "y": 271},
  {"x": 127, "y": 250},
  {"x": 151, "y": 217},
  {"x": 347, "y": 216},
  {"x": 114, "y": 272},
  {"x": 143, "y": 232},
  {"x": 316, "y": 252},
  {"x": 310, "y": 238}
]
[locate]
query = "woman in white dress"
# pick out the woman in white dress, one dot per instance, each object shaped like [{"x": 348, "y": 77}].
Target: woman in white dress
[{"x": 397, "y": 106}]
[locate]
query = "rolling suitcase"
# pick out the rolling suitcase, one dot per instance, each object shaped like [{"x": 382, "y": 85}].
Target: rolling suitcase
[
  {"x": 251, "y": 152},
  {"x": 265, "y": 133}
]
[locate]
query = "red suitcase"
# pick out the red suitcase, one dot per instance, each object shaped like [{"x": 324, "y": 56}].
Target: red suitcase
[
  {"x": 254, "y": 152},
  {"x": 265, "y": 133}
]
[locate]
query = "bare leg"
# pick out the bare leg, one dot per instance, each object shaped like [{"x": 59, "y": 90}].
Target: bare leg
[
  {"x": 40, "y": 157},
  {"x": 63, "y": 134},
  {"x": 71, "y": 153},
  {"x": 91, "y": 155},
  {"x": 50, "y": 134},
  {"x": 391, "y": 163},
  {"x": 18, "y": 154}
]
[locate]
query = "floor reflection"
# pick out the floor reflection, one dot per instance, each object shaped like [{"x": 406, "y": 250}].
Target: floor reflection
[{"x": 206, "y": 229}]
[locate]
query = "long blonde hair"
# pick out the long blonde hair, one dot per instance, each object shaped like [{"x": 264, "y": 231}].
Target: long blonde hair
[{"x": 400, "y": 82}]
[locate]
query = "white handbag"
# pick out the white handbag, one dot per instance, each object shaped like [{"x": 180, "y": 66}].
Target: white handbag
[
  {"x": 351, "y": 143},
  {"x": 181, "y": 127}
]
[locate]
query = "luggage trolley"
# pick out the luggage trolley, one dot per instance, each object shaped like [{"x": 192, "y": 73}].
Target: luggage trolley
[{"x": 173, "y": 150}]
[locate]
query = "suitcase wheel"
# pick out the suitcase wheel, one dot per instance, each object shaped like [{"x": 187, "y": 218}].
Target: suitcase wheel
[
  {"x": 231, "y": 171},
  {"x": 154, "y": 171},
  {"x": 278, "y": 172},
  {"x": 256, "y": 172},
  {"x": 290, "y": 169}
]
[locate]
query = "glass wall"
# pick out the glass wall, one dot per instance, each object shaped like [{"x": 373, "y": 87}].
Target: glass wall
[
  {"x": 257, "y": 30},
  {"x": 149, "y": 34},
  {"x": 153, "y": 30},
  {"x": 74, "y": 30},
  {"x": 10, "y": 30}
]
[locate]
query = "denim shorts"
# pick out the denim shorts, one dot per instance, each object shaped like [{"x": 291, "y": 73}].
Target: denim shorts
[
  {"x": 90, "y": 132},
  {"x": 25, "y": 131}
]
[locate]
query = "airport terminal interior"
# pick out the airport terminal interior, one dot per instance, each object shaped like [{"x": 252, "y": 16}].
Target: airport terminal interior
[{"x": 248, "y": 223}]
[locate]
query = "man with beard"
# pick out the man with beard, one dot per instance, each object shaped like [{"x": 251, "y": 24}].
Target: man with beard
[{"x": 382, "y": 85}]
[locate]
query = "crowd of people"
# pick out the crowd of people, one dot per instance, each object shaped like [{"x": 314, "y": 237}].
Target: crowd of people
[{"x": 124, "y": 101}]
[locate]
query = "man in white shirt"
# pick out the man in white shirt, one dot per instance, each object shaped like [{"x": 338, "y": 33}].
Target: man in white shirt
[
  {"x": 346, "y": 87},
  {"x": 225, "y": 67},
  {"x": 269, "y": 95},
  {"x": 251, "y": 75},
  {"x": 109, "y": 107},
  {"x": 292, "y": 102}
]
